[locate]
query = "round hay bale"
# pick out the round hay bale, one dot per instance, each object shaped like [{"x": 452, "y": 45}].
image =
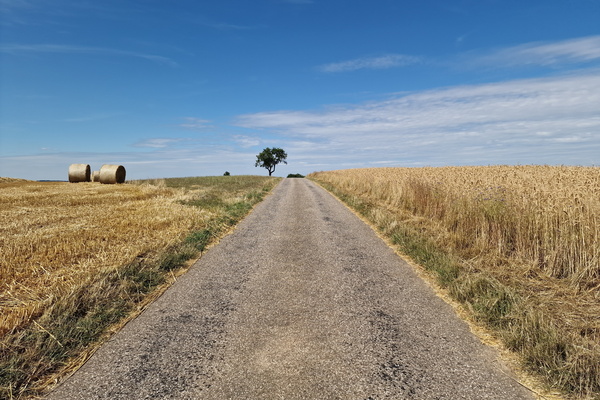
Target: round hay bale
[
  {"x": 96, "y": 176},
  {"x": 112, "y": 174},
  {"x": 79, "y": 173}
]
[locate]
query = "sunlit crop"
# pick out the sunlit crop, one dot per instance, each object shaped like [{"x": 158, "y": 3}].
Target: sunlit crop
[{"x": 54, "y": 234}]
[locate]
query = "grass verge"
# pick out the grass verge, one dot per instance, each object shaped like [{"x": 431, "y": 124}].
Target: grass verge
[{"x": 71, "y": 326}]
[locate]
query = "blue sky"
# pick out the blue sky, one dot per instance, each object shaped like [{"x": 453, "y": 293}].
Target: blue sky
[{"x": 194, "y": 88}]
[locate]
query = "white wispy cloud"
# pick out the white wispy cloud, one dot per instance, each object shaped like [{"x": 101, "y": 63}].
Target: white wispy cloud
[
  {"x": 382, "y": 62},
  {"x": 224, "y": 26},
  {"x": 93, "y": 117},
  {"x": 158, "y": 143},
  {"x": 552, "y": 120},
  {"x": 11, "y": 12},
  {"x": 579, "y": 50},
  {"x": 195, "y": 123},
  {"x": 10, "y": 9},
  {"x": 70, "y": 49},
  {"x": 246, "y": 141},
  {"x": 7, "y": 5}
]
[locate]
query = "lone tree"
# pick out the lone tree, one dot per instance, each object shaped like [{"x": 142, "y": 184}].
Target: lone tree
[{"x": 269, "y": 158}]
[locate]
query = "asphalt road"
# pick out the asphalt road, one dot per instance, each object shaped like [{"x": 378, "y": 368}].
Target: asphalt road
[{"x": 302, "y": 301}]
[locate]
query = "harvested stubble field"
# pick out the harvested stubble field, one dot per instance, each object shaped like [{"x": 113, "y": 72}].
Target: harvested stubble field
[
  {"x": 76, "y": 259},
  {"x": 517, "y": 246}
]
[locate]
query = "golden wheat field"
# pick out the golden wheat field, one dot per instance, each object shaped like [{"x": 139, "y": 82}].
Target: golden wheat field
[
  {"x": 533, "y": 229},
  {"x": 54, "y": 234}
]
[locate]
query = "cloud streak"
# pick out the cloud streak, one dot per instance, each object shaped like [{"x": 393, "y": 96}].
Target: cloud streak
[
  {"x": 523, "y": 121},
  {"x": 246, "y": 141},
  {"x": 579, "y": 50},
  {"x": 158, "y": 143},
  {"x": 224, "y": 26},
  {"x": 195, "y": 123},
  {"x": 7, "y": 5},
  {"x": 566, "y": 52},
  {"x": 383, "y": 62},
  {"x": 70, "y": 49}
]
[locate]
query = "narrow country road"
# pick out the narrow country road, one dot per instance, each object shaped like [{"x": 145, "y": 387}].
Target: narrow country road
[{"x": 302, "y": 301}]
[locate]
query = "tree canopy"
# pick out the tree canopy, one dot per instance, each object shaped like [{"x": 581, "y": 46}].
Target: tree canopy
[{"x": 269, "y": 158}]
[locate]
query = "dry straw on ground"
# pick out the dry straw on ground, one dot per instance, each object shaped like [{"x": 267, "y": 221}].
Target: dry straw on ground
[
  {"x": 52, "y": 235},
  {"x": 79, "y": 173},
  {"x": 4, "y": 180},
  {"x": 110, "y": 174}
]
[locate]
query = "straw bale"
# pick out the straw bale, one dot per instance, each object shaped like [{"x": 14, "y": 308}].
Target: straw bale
[
  {"x": 96, "y": 176},
  {"x": 112, "y": 174},
  {"x": 79, "y": 173}
]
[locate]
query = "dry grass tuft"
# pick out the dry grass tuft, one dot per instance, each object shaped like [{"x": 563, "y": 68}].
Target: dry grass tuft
[{"x": 519, "y": 246}]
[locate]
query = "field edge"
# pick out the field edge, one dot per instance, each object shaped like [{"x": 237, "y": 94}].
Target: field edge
[
  {"x": 52, "y": 347},
  {"x": 494, "y": 312}
]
